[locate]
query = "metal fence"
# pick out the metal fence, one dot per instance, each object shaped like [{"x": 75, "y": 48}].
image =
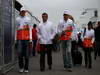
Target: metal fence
[{"x": 6, "y": 37}]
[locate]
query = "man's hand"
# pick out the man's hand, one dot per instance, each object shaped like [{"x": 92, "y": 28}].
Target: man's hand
[
  {"x": 30, "y": 40},
  {"x": 63, "y": 33}
]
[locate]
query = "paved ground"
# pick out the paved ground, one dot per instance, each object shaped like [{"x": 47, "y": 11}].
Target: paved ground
[{"x": 57, "y": 68}]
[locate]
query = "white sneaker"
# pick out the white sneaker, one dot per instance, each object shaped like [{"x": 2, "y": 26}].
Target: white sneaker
[
  {"x": 69, "y": 70},
  {"x": 26, "y": 71},
  {"x": 65, "y": 69},
  {"x": 21, "y": 70}
]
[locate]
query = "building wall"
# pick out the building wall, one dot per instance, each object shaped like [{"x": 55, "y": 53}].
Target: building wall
[{"x": 6, "y": 37}]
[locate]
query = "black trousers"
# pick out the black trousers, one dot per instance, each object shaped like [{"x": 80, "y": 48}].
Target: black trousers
[
  {"x": 87, "y": 56},
  {"x": 97, "y": 49},
  {"x": 34, "y": 46},
  {"x": 45, "y": 49},
  {"x": 73, "y": 48},
  {"x": 23, "y": 54},
  {"x": 23, "y": 62}
]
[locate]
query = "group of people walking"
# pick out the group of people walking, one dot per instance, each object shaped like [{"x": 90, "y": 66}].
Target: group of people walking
[{"x": 44, "y": 33}]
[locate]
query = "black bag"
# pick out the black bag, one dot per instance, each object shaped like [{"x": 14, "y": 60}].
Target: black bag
[
  {"x": 56, "y": 39},
  {"x": 77, "y": 57}
]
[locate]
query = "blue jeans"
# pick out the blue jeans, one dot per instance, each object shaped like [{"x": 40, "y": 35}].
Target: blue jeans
[{"x": 66, "y": 51}]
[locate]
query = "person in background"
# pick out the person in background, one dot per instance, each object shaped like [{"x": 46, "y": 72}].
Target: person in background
[
  {"x": 34, "y": 38},
  {"x": 23, "y": 37},
  {"x": 65, "y": 29},
  {"x": 46, "y": 33},
  {"x": 74, "y": 42},
  {"x": 79, "y": 39},
  {"x": 97, "y": 39},
  {"x": 88, "y": 40}
]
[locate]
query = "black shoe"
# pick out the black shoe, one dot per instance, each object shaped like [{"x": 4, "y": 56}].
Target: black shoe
[
  {"x": 50, "y": 67},
  {"x": 95, "y": 57},
  {"x": 33, "y": 54},
  {"x": 89, "y": 67},
  {"x": 85, "y": 66},
  {"x": 42, "y": 70}
]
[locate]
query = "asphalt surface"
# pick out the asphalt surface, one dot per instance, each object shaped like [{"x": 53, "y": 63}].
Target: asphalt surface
[{"x": 57, "y": 67}]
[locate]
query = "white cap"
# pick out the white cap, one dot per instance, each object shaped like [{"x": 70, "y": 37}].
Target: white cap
[
  {"x": 44, "y": 11},
  {"x": 22, "y": 9},
  {"x": 66, "y": 12}
]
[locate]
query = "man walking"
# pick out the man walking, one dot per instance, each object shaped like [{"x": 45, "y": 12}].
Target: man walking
[
  {"x": 97, "y": 39},
  {"x": 65, "y": 28},
  {"x": 23, "y": 40},
  {"x": 34, "y": 38},
  {"x": 88, "y": 40},
  {"x": 46, "y": 33}
]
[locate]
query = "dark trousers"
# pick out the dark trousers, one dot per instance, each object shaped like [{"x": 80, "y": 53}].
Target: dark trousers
[
  {"x": 45, "y": 49},
  {"x": 97, "y": 49},
  {"x": 88, "y": 58},
  {"x": 23, "y": 63},
  {"x": 23, "y": 54},
  {"x": 34, "y": 46},
  {"x": 73, "y": 48}
]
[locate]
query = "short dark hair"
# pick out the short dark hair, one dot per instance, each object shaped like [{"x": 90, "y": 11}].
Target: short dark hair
[
  {"x": 65, "y": 14},
  {"x": 34, "y": 25},
  {"x": 90, "y": 23},
  {"x": 44, "y": 14}
]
